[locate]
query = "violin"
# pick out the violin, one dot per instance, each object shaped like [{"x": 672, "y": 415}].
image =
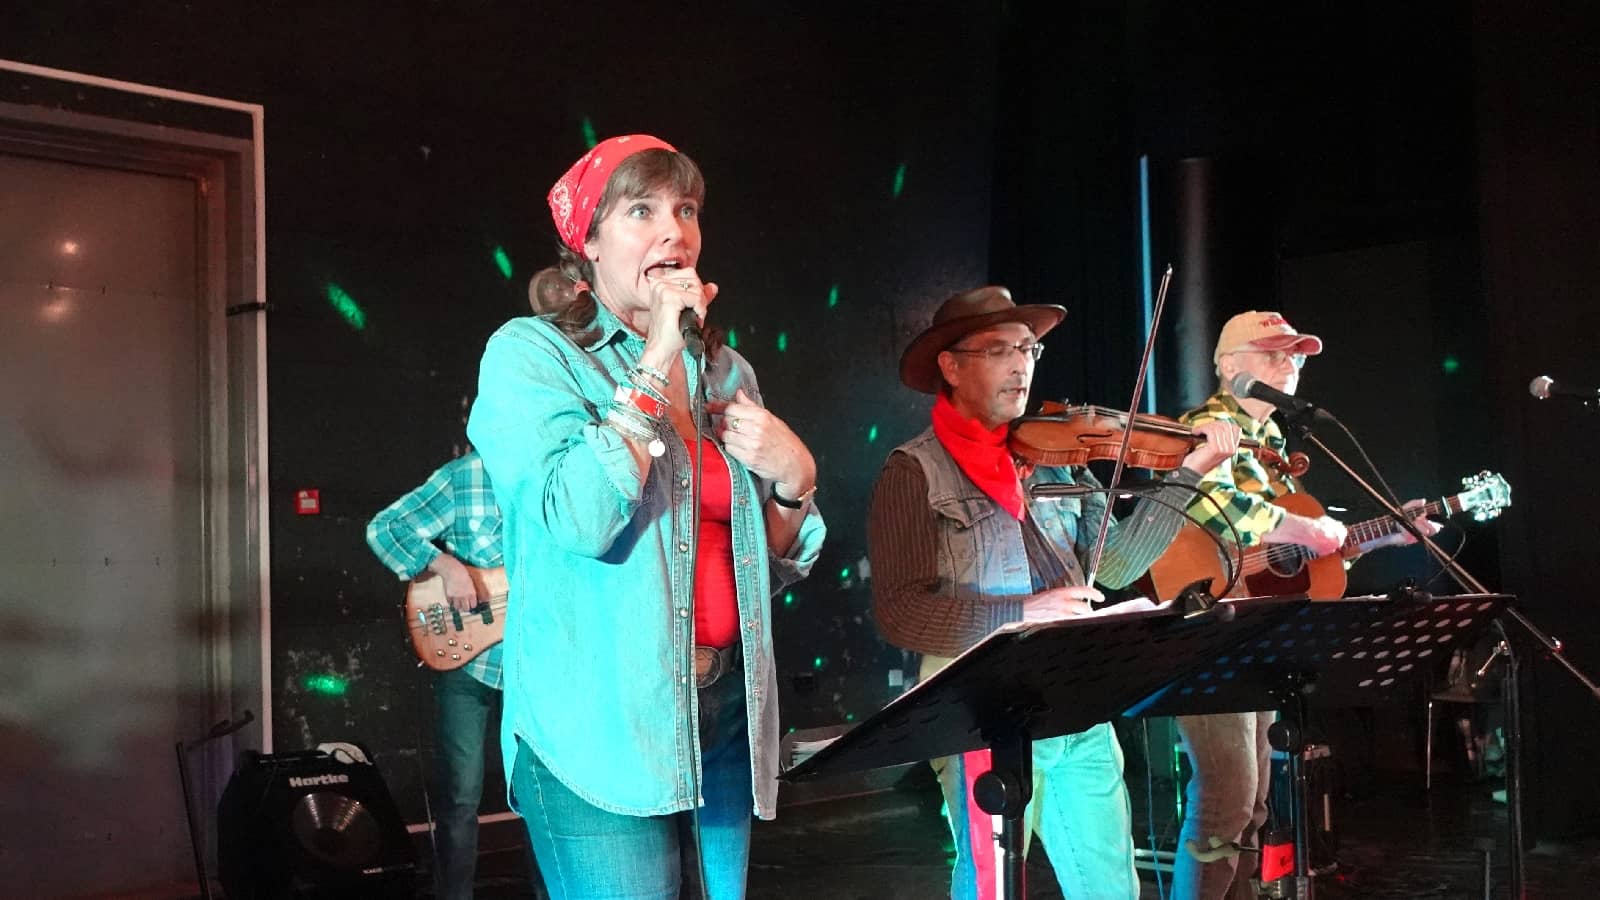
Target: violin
[{"x": 1062, "y": 435}]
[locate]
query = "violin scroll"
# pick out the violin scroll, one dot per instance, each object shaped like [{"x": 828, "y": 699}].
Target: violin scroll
[{"x": 1294, "y": 465}]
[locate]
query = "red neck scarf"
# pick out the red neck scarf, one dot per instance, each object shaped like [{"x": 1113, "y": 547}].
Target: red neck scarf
[{"x": 981, "y": 453}]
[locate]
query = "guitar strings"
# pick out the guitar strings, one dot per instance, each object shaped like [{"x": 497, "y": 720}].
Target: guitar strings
[{"x": 497, "y": 603}]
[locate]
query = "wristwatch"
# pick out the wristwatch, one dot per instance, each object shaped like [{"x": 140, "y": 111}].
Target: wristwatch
[{"x": 797, "y": 502}]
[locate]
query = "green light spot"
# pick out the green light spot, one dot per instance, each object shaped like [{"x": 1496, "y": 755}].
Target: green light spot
[
  {"x": 899, "y": 180},
  {"x": 783, "y": 341},
  {"x": 346, "y": 306},
  {"x": 589, "y": 139},
  {"x": 503, "y": 260},
  {"x": 844, "y": 574},
  {"x": 819, "y": 662},
  {"x": 733, "y": 340},
  {"x": 788, "y": 598},
  {"x": 1451, "y": 365},
  {"x": 872, "y": 434},
  {"x": 328, "y": 685},
  {"x": 833, "y": 296},
  {"x": 849, "y": 717}
]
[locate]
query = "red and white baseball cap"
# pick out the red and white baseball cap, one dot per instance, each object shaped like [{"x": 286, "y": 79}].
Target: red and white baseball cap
[{"x": 1258, "y": 330}]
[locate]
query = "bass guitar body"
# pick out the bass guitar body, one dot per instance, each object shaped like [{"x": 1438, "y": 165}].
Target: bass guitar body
[{"x": 445, "y": 638}]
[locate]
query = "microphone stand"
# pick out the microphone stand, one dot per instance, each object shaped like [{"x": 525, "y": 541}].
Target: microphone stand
[
  {"x": 694, "y": 342},
  {"x": 220, "y": 730},
  {"x": 1511, "y": 676}
]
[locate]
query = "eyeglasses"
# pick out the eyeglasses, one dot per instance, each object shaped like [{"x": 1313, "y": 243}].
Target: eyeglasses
[
  {"x": 998, "y": 352},
  {"x": 1276, "y": 357}
]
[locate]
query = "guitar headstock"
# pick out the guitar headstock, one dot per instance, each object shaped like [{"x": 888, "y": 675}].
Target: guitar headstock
[{"x": 1486, "y": 494}]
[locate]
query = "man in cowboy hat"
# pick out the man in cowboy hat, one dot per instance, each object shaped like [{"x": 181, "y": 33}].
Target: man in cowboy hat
[
  {"x": 958, "y": 550},
  {"x": 1228, "y": 752}
]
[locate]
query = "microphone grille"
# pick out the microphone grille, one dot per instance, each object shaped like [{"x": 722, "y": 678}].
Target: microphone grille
[
  {"x": 1241, "y": 383},
  {"x": 1540, "y": 387}
]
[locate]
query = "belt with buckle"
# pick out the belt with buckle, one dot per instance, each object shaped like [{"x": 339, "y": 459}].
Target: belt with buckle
[{"x": 711, "y": 663}]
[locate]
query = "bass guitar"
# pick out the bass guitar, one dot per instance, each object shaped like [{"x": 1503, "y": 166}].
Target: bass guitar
[
  {"x": 1274, "y": 570},
  {"x": 446, "y": 638}
]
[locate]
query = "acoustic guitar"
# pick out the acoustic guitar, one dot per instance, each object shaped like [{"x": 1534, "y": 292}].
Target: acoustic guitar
[
  {"x": 446, "y": 638},
  {"x": 1273, "y": 570}
]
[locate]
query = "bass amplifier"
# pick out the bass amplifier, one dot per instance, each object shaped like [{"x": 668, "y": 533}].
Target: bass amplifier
[{"x": 306, "y": 825}]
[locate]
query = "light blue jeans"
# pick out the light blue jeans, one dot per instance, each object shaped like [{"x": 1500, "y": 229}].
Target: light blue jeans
[
  {"x": 1079, "y": 809},
  {"x": 1227, "y": 797},
  {"x": 587, "y": 853}
]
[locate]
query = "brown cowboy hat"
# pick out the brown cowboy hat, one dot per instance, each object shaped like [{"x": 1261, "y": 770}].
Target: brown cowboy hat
[{"x": 960, "y": 316}]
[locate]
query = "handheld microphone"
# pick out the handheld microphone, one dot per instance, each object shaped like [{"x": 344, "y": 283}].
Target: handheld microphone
[
  {"x": 689, "y": 327},
  {"x": 1246, "y": 385},
  {"x": 1544, "y": 387}
]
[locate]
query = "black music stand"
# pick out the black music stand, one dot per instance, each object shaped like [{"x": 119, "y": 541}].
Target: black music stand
[
  {"x": 1038, "y": 680},
  {"x": 1358, "y": 651}
]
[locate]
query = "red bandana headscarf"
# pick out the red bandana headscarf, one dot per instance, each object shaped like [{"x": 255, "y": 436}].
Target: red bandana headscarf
[
  {"x": 574, "y": 197},
  {"x": 981, "y": 453}
]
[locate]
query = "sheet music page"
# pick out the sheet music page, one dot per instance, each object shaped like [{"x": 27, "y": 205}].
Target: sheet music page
[{"x": 1136, "y": 605}]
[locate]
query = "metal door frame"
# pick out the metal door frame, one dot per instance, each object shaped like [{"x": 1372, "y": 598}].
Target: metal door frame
[{"x": 231, "y": 181}]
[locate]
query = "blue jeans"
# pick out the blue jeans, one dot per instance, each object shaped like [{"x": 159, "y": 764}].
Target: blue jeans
[
  {"x": 1079, "y": 808},
  {"x": 587, "y": 853},
  {"x": 1227, "y": 798},
  {"x": 466, "y": 706}
]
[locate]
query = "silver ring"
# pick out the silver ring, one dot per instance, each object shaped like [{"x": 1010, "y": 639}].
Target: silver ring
[
  {"x": 685, "y": 285},
  {"x": 733, "y": 423}
]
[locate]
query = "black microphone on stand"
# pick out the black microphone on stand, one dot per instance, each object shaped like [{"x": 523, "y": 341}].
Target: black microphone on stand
[
  {"x": 689, "y": 327},
  {"x": 1246, "y": 385},
  {"x": 1544, "y": 387}
]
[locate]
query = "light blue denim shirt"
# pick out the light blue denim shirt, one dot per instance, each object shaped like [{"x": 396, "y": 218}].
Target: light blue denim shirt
[{"x": 599, "y": 649}]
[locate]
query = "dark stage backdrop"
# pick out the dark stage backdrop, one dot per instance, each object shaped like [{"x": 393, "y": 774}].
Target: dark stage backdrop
[
  {"x": 1338, "y": 144},
  {"x": 1412, "y": 183},
  {"x": 848, "y": 159},
  {"x": 1538, "y": 80}
]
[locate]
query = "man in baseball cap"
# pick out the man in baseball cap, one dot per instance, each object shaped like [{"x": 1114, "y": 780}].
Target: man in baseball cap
[{"x": 1229, "y": 753}]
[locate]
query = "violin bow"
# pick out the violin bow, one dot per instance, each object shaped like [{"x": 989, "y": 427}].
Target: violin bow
[{"x": 1127, "y": 431}]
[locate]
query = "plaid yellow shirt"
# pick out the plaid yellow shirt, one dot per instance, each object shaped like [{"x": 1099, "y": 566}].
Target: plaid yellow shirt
[{"x": 1241, "y": 485}]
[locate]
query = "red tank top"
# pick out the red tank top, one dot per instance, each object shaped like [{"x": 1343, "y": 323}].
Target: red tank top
[{"x": 716, "y": 601}]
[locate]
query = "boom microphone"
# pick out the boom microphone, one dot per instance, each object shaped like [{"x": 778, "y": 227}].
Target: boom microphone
[{"x": 1246, "y": 385}]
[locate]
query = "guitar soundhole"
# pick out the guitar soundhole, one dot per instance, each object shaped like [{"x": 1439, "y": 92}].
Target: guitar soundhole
[{"x": 1287, "y": 560}]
